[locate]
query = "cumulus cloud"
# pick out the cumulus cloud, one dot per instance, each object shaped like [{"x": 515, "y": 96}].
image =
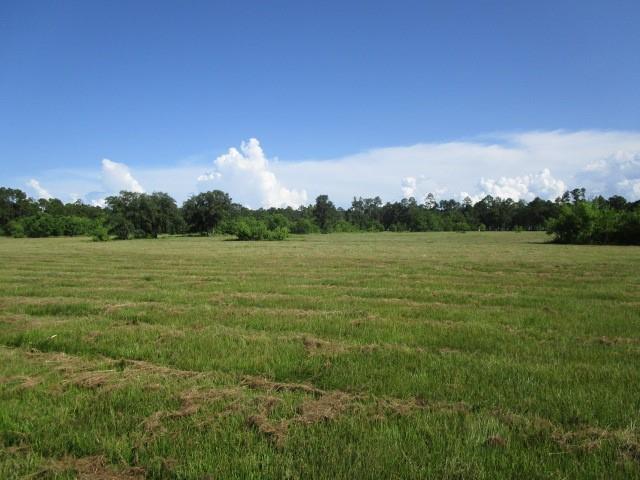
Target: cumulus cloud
[
  {"x": 38, "y": 189},
  {"x": 248, "y": 173},
  {"x": 117, "y": 176},
  {"x": 525, "y": 187},
  {"x": 209, "y": 176},
  {"x": 420, "y": 186},
  {"x": 617, "y": 174},
  {"x": 604, "y": 162},
  {"x": 409, "y": 185}
]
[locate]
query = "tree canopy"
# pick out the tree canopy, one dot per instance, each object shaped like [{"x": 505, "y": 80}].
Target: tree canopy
[{"x": 571, "y": 218}]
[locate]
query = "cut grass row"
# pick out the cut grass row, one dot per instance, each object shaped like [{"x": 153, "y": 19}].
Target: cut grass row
[{"x": 475, "y": 355}]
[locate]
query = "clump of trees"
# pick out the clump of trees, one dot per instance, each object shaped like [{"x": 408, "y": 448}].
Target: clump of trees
[
  {"x": 142, "y": 215},
  {"x": 571, "y": 218},
  {"x": 249, "y": 228},
  {"x": 599, "y": 221},
  {"x": 21, "y": 216}
]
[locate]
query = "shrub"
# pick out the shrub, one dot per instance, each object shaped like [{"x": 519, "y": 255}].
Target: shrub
[
  {"x": 226, "y": 227},
  {"x": 251, "y": 229},
  {"x": 121, "y": 227},
  {"x": 573, "y": 224},
  {"x": 100, "y": 234},
  {"x": 305, "y": 225},
  {"x": 375, "y": 226},
  {"x": 279, "y": 233},
  {"x": 15, "y": 229},
  {"x": 343, "y": 226}
]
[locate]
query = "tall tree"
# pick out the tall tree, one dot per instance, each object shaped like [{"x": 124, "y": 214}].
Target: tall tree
[
  {"x": 325, "y": 213},
  {"x": 203, "y": 212}
]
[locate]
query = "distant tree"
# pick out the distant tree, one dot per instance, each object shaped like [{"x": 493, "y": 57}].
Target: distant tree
[
  {"x": 578, "y": 195},
  {"x": 203, "y": 212},
  {"x": 617, "y": 202},
  {"x": 430, "y": 201},
  {"x": 14, "y": 204},
  {"x": 304, "y": 225},
  {"x": 365, "y": 213},
  {"x": 325, "y": 213},
  {"x": 142, "y": 215}
]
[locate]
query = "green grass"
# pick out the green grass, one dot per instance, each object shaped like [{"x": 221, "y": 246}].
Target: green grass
[{"x": 435, "y": 355}]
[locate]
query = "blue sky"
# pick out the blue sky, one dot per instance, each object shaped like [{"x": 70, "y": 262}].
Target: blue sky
[{"x": 345, "y": 98}]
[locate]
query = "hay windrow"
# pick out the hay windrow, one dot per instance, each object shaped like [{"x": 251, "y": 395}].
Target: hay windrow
[
  {"x": 90, "y": 468},
  {"x": 261, "y": 383}
]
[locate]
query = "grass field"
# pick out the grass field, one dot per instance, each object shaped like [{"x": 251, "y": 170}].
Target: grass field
[{"x": 477, "y": 355}]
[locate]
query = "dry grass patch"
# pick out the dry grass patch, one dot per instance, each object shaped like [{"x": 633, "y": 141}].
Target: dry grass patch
[
  {"x": 261, "y": 383},
  {"x": 90, "y": 468},
  {"x": 22, "y": 382}
]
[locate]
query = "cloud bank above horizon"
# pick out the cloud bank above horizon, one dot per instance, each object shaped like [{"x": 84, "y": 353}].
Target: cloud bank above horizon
[{"x": 517, "y": 165}]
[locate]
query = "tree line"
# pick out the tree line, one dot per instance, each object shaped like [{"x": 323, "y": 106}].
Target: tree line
[{"x": 571, "y": 218}]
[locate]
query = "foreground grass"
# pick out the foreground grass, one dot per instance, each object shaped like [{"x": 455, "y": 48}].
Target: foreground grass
[{"x": 481, "y": 355}]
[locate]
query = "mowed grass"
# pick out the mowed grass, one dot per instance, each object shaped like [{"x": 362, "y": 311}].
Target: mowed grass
[{"x": 435, "y": 355}]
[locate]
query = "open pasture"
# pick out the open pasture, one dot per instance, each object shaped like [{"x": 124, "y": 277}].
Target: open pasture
[{"x": 447, "y": 355}]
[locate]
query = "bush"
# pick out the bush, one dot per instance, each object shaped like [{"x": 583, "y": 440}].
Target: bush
[
  {"x": 100, "y": 234},
  {"x": 15, "y": 229},
  {"x": 305, "y": 225},
  {"x": 226, "y": 227},
  {"x": 343, "y": 226},
  {"x": 573, "y": 224},
  {"x": 585, "y": 222},
  {"x": 251, "y": 229},
  {"x": 121, "y": 227},
  {"x": 375, "y": 226},
  {"x": 277, "y": 220}
]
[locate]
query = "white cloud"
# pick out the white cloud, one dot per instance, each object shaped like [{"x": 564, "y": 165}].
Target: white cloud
[
  {"x": 604, "y": 162},
  {"x": 617, "y": 174},
  {"x": 116, "y": 176},
  {"x": 248, "y": 175},
  {"x": 208, "y": 176},
  {"x": 409, "y": 185},
  {"x": 38, "y": 189},
  {"x": 419, "y": 187},
  {"x": 525, "y": 187}
]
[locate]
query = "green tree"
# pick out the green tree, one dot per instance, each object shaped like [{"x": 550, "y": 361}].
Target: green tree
[
  {"x": 325, "y": 214},
  {"x": 203, "y": 212}
]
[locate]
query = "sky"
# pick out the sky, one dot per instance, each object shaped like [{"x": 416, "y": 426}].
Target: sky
[{"x": 277, "y": 102}]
